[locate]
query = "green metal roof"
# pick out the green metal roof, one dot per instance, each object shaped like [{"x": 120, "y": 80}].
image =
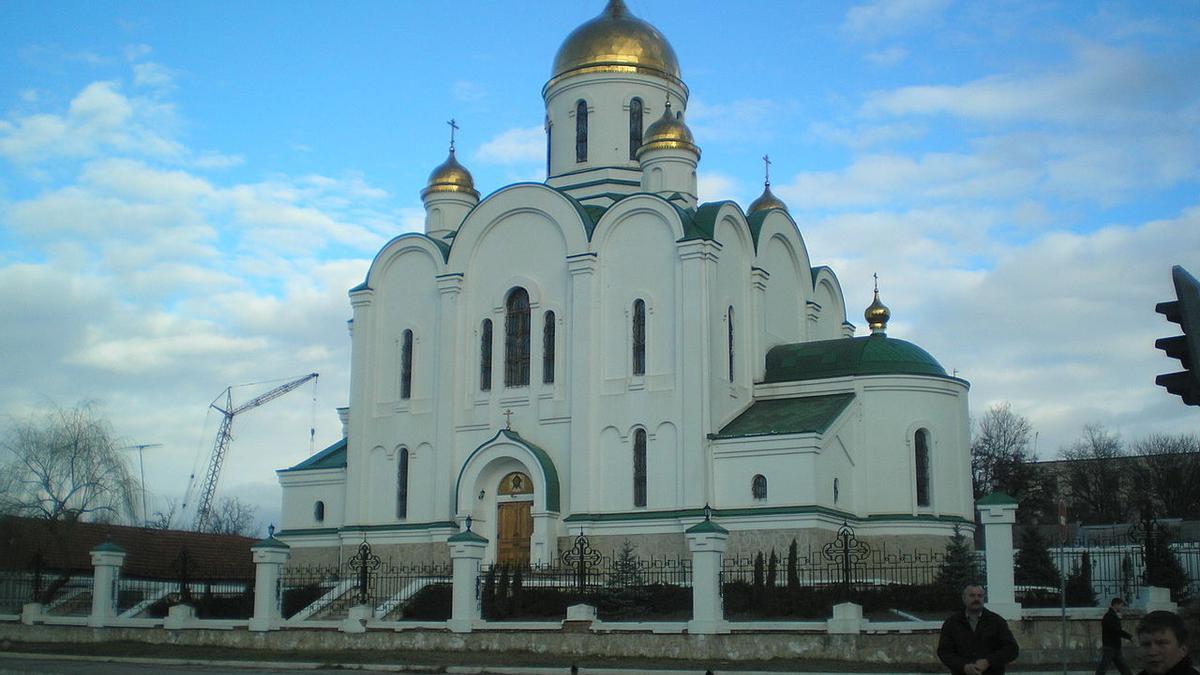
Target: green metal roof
[
  {"x": 543, "y": 460},
  {"x": 842, "y": 357},
  {"x": 996, "y": 499},
  {"x": 465, "y": 536},
  {"x": 809, "y": 414},
  {"x": 270, "y": 542},
  {"x": 706, "y": 527},
  {"x": 333, "y": 457}
]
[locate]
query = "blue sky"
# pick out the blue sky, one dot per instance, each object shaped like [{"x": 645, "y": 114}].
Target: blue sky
[{"x": 188, "y": 189}]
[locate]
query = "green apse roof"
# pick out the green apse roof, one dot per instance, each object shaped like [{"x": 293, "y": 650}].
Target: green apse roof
[
  {"x": 810, "y": 414},
  {"x": 333, "y": 457},
  {"x": 868, "y": 355}
]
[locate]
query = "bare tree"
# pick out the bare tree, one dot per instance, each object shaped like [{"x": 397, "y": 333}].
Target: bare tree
[
  {"x": 1093, "y": 478},
  {"x": 63, "y": 465},
  {"x": 165, "y": 519},
  {"x": 231, "y": 515},
  {"x": 1002, "y": 461},
  {"x": 1168, "y": 468}
]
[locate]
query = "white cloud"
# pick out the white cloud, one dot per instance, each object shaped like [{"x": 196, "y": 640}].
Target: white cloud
[
  {"x": 885, "y": 18},
  {"x": 714, "y": 186},
  {"x": 739, "y": 120},
  {"x": 469, "y": 92},
  {"x": 514, "y": 146},
  {"x": 153, "y": 75},
  {"x": 887, "y": 57}
]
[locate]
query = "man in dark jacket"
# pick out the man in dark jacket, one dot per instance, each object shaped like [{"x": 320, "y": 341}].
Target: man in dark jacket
[
  {"x": 1111, "y": 634},
  {"x": 976, "y": 641},
  {"x": 1163, "y": 638}
]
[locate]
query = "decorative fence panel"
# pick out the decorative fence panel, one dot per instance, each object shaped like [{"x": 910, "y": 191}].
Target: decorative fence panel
[
  {"x": 620, "y": 585},
  {"x": 215, "y": 591},
  {"x": 61, "y": 592}
]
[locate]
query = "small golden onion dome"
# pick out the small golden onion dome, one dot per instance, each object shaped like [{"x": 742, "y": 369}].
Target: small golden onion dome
[
  {"x": 616, "y": 41},
  {"x": 668, "y": 132},
  {"x": 877, "y": 315},
  {"x": 450, "y": 176},
  {"x": 767, "y": 200}
]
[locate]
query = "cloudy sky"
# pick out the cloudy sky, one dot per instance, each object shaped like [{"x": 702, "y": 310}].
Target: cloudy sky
[{"x": 187, "y": 190}]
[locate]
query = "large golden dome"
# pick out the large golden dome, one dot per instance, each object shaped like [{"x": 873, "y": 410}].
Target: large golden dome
[
  {"x": 616, "y": 41},
  {"x": 450, "y": 176}
]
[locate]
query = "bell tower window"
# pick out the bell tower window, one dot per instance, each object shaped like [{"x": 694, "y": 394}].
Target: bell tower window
[
  {"x": 635, "y": 127},
  {"x": 581, "y": 131}
]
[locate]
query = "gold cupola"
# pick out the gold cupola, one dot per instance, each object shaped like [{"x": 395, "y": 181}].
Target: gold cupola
[
  {"x": 668, "y": 132},
  {"x": 616, "y": 41},
  {"x": 877, "y": 313},
  {"x": 450, "y": 176},
  {"x": 767, "y": 200}
]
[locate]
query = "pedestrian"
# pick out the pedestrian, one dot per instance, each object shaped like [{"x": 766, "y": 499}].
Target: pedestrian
[
  {"x": 976, "y": 641},
  {"x": 1163, "y": 637},
  {"x": 1111, "y": 635}
]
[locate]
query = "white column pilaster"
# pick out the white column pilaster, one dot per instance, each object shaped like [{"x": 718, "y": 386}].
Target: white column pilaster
[
  {"x": 466, "y": 552},
  {"x": 707, "y": 541},
  {"x": 269, "y": 556},
  {"x": 998, "y": 512},
  {"x": 107, "y": 559}
]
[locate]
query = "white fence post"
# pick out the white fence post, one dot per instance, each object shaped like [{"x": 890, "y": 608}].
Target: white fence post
[
  {"x": 466, "y": 551},
  {"x": 269, "y": 556},
  {"x": 998, "y": 512},
  {"x": 107, "y": 559},
  {"x": 707, "y": 540}
]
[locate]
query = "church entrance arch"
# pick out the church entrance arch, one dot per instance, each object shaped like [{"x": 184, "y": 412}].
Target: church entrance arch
[{"x": 514, "y": 519}]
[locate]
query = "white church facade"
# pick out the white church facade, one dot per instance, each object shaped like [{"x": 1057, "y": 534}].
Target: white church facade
[{"x": 602, "y": 353}]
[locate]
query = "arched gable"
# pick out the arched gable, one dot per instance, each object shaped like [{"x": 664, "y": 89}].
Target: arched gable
[
  {"x": 552, "y": 205},
  {"x": 641, "y": 205},
  {"x": 509, "y": 445},
  {"x": 827, "y": 292},
  {"x": 411, "y": 242},
  {"x": 776, "y": 223}
]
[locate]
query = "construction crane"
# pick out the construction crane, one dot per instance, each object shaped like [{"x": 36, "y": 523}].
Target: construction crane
[{"x": 225, "y": 435}]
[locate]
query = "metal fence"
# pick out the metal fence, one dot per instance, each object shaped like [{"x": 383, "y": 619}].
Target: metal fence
[
  {"x": 61, "y": 592},
  {"x": 214, "y": 591},
  {"x": 1121, "y": 561}
]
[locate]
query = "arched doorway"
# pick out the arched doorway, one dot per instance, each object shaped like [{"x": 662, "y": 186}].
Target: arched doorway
[{"x": 514, "y": 519}]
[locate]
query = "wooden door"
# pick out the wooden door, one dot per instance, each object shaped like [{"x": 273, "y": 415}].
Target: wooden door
[{"x": 513, "y": 531}]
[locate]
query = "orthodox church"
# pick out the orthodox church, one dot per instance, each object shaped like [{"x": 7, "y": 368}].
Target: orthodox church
[{"x": 601, "y": 353}]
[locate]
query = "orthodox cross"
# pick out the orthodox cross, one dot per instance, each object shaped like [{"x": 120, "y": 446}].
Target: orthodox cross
[
  {"x": 767, "y": 170},
  {"x": 507, "y": 419},
  {"x": 453, "y": 128},
  {"x": 876, "y": 275}
]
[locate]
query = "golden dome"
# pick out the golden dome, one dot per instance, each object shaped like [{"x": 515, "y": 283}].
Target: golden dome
[
  {"x": 616, "y": 41},
  {"x": 877, "y": 314},
  {"x": 668, "y": 133},
  {"x": 767, "y": 200},
  {"x": 450, "y": 176}
]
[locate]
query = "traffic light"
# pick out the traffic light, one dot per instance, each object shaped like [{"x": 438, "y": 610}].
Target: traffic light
[{"x": 1184, "y": 311}]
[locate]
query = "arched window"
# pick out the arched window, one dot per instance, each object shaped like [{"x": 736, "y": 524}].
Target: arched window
[
  {"x": 758, "y": 488},
  {"x": 729, "y": 317},
  {"x": 922, "y": 462},
  {"x": 581, "y": 131},
  {"x": 485, "y": 355},
  {"x": 639, "y": 337},
  {"x": 835, "y": 491},
  {"x": 548, "y": 348},
  {"x": 639, "y": 467},
  {"x": 402, "y": 483},
  {"x": 319, "y": 512},
  {"x": 635, "y": 127},
  {"x": 549, "y": 144},
  {"x": 406, "y": 349},
  {"x": 516, "y": 339}
]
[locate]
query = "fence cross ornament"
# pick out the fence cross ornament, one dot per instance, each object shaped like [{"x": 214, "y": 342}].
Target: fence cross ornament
[
  {"x": 847, "y": 551},
  {"x": 365, "y": 563},
  {"x": 581, "y": 556}
]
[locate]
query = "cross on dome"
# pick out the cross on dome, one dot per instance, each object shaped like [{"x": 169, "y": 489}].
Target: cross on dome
[{"x": 453, "y": 128}]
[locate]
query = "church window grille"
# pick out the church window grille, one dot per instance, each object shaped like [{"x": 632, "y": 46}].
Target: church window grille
[
  {"x": 319, "y": 511},
  {"x": 406, "y": 354},
  {"x": 485, "y": 356},
  {"x": 581, "y": 131},
  {"x": 548, "y": 349},
  {"x": 635, "y": 127},
  {"x": 402, "y": 484},
  {"x": 729, "y": 317},
  {"x": 639, "y": 337},
  {"x": 516, "y": 339},
  {"x": 922, "y": 462},
  {"x": 639, "y": 468},
  {"x": 758, "y": 488}
]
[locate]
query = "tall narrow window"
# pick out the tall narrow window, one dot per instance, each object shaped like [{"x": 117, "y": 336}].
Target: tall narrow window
[
  {"x": 922, "y": 462},
  {"x": 549, "y": 144},
  {"x": 758, "y": 488},
  {"x": 639, "y": 467},
  {"x": 402, "y": 483},
  {"x": 485, "y": 356},
  {"x": 516, "y": 339},
  {"x": 319, "y": 512},
  {"x": 581, "y": 131},
  {"x": 548, "y": 349},
  {"x": 639, "y": 337},
  {"x": 635, "y": 127},
  {"x": 406, "y": 349},
  {"x": 729, "y": 317}
]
